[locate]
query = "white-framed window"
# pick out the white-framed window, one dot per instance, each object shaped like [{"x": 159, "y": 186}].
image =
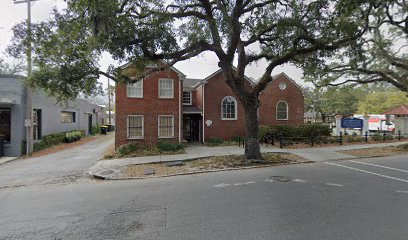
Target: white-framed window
[
  {"x": 166, "y": 88},
  {"x": 166, "y": 126},
  {"x": 229, "y": 108},
  {"x": 135, "y": 90},
  {"x": 187, "y": 98},
  {"x": 135, "y": 127},
  {"x": 282, "y": 111}
]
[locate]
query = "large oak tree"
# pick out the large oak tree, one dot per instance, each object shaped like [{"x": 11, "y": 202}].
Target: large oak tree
[
  {"x": 379, "y": 56},
  {"x": 238, "y": 32}
]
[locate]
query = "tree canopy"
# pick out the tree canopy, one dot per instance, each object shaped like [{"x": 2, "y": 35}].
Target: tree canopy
[
  {"x": 380, "y": 55},
  {"x": 379, "y": 102},
  {"x": 330, "y": 101}
]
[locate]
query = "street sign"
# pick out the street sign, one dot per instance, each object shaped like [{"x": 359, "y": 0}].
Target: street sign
[{"x": 351, "y": 123}]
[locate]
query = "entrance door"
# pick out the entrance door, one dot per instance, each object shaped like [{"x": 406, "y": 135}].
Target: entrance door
[
  {"x": 89, "y": 123},
  {"x": 191, "y": 127}
]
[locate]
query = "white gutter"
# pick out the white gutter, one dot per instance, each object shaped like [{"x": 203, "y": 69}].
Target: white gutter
[
  {"x": 203, "y": 114},
  {"x": 180, "y": 105}
]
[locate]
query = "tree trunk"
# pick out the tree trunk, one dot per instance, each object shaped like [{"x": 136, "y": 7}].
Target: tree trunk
[{"x": 252, "y": 148}]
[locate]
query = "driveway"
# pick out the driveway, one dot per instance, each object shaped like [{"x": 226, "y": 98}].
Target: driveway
[{"x": 65, "y": 166}]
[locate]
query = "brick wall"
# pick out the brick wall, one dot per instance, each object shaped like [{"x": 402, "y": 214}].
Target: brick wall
[
  {"x": 214, "y": 91},
  {"x": 270, "y": 97},
  {"x": 151, "y": 106}
]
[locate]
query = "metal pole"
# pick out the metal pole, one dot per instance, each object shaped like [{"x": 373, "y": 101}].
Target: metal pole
[
  {"x": 28, "y": 123},
  {"x": 109, "y": 102}
]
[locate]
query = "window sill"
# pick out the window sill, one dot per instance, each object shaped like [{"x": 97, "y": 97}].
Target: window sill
[
  {"x": 134, "y": 97},
  {"x": 136, "y": 138},
  {"x": 166, "y": 137},
  {"x": 229, "y": 119}
]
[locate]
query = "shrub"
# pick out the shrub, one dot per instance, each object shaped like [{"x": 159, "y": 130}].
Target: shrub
[
  {"x": 46, "y": 142},
  {"x": 167, "y": 146},
  {"x": 236, "y": 139},
  {"x": 73, "y": 136},
  {"x": 316, "y": 130},
  {"x": 95, "y": 129},
  {"x": 303, "y": 131},
  {"x": 215, "y": 141},
  {"x": 127, "y": 149}
]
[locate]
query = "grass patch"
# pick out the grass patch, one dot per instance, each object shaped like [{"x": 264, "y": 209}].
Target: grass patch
[
  {"x": 212, "y": 163},
  {"x": 378, "y": 151}
]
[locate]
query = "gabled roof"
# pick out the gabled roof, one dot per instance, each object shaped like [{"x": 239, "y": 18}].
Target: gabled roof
[
  {"x": 290, "y": 79},
  {"x": 152, "y": 66},
  {"x": 400, "y": 110},
  {"x": 220, "y": 70},
  {"x": 191, "y": 83}
]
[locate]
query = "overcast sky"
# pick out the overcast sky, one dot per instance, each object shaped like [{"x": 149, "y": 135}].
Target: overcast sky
[{"x": 199, "y": 67}]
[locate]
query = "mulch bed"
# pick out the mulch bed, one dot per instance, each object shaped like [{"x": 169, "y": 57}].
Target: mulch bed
[{"x": 211, "y": 164}]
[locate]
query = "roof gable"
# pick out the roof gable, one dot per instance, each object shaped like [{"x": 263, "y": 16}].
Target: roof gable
[
  {"x": 220, "y": 71},
  {"x": 399, "y": 110},
  {"x": 182, "y": 75}
]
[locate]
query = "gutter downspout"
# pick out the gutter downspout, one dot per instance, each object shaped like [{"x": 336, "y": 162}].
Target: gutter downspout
[
  {"x": 203, "y": 112},
  {"x": 180, "y": 106}
]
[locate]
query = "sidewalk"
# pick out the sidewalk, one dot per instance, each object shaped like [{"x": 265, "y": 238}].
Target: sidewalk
[{"x": 112, "y": 167}]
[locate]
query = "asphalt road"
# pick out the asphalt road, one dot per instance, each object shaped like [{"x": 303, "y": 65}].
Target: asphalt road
[
  {"x": 66, "y": 166},
  {"x": 348, "y": 200}
]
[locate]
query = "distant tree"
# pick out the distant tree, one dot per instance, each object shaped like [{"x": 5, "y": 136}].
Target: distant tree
[
  {"x": 7, "y": 68},
  {"x": 330, "y": 101},
  {"x": 240, "y": 32},
  {"x": 379, "y": 102}
]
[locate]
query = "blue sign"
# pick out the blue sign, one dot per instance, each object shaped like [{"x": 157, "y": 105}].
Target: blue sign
[{"x": 351, "y": 123}]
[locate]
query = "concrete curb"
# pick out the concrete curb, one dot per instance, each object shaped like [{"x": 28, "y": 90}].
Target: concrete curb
[
  {"x": 8, "y": 160},
  {"x": 98, "y": 176}
]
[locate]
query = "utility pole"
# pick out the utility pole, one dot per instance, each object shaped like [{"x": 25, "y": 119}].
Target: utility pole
[
  {"x": 28, "y": 123},
  {"x": 109, "y": 102}
]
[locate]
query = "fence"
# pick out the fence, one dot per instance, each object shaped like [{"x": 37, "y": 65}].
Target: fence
[{"x": 273, "y": 138}]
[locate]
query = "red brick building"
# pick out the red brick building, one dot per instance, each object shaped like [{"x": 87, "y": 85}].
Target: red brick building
[{"x": 167, "y": 105}]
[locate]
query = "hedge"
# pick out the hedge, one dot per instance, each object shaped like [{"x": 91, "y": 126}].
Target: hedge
[{"x": 286, "y": 131}]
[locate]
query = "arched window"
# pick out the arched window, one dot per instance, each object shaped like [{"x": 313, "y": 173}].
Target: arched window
[
  {"x": 282, "y": 111},
  {"x": 229, "y": 108}
]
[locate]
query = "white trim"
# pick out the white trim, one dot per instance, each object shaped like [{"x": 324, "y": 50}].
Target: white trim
[
  {"x": 180, "y": 117},
  {"x": 220, "y": 70},
  {"x": 274, "y": 77},
  {"x": 158, "y": 126},
  {"x": 127, "y": 89},
  {"x": 172, "y": 86},
  {"x": 203, "y": 97},
  {"x": 287, "y": 111},
  {"x": 127, "y": 127},
  {"x": 191, "y": 98},
  {"x": 155, "y": 65},
  {"x": 236, "y": 109}
]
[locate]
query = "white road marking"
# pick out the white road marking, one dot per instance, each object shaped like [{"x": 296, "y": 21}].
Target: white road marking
[
  {"x": 221, "y": 185},
  {"x": 299, "y": 180},
  {"x": 268, "y": 180},
  {"x": 364, "y": 171},
  {"x": 334, "y": 184},
  {"x": 381, "y": 166},
  {"x": 402, "y": 191},
  {"x": 243, "y": 184}
]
